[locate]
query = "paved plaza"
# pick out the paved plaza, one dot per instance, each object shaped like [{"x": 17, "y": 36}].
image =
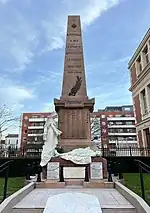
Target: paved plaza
[{"x": 108, "y": 198}]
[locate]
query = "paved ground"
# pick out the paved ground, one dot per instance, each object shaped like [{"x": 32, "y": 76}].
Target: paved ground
[{"x": 108, "y": 198}]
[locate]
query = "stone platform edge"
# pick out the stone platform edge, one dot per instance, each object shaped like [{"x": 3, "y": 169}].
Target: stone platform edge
[
  {"x": 7, "y": 205},
  {"x": 140, "y": 205}
]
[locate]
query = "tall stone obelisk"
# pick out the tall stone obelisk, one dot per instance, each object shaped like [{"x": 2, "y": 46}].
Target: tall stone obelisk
[{"x": 74, "y": 107}]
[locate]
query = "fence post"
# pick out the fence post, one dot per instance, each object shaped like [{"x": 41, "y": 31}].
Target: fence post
[
  {"x": 130, "y": 151},
  {"x": 61, "y": 174},
  {"x": 86, "y": 174},
  {"x": 39, "y": 173},
  {"x": 109, "y": 173},
  {"x": 141, "y": 182},
  {"x": 6, "y": 183}
]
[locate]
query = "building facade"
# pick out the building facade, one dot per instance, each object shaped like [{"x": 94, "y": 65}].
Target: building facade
[
  {"x": 117, "y": 126},
  {"x": 139, "y": 67},
  {"x": 31, "y": 134},
  {"x": 11, "y": 140}
]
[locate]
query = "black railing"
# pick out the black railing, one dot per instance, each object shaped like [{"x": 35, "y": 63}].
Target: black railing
[
  {"x": 142, "y": 169},
  {"x": 105, "y": 152},
  {"x": 130, "y": 151},
  {"x": 4, "y": 168}
]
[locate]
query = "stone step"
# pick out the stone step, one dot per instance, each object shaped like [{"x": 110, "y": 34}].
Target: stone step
[
  {"x": 50, "y": 184},
  {"x": 119, "y": 210},
  {"x": 73, "y": 187},
  {"x": 98, "y": 184},
  {"x": 105, "y": 210},
  {"x": 19, "y": 210},
  {"x": 74, "y": 182}
]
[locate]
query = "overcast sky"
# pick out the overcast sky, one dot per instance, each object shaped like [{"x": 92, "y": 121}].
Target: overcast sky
[{"x": 32, "y": 37}]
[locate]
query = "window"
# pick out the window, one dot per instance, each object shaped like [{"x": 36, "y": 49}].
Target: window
[
  {"x": 129, "y": 123},
  {"x": 111, "y": 123},
  {"x": 103, "y": 123},
  {"x": 104, "y": 130},
  {"x": 118, "y": 115},
  {"x": 144, "y": 102},
  {"x": 119, "y": 123},
  {"x": 139, "y": 64},
  {"x": 110, "y": 116},
  {"x": 146, "y": 56},
  {"x": 119, "y": 130},
  {"x": 128, "y": 115},
  {"x": 102, "y": 116},
  {"x": 26, "y": 117},
  {"x": 25, "y": 131}
]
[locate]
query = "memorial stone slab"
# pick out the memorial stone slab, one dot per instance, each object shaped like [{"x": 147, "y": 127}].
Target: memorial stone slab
[
  {"x": 53, "y": 171},
  {"x": 96, "y": 169},
  {"x": 74, "y": 172}
]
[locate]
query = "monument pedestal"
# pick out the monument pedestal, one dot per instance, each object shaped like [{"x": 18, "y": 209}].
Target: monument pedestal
[
  {"x": 74, "y": 122},
  {"x": 74, "y": 175}
]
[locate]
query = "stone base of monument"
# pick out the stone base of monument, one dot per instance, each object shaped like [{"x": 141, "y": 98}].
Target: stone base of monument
[{"x": 64, "y": 173}]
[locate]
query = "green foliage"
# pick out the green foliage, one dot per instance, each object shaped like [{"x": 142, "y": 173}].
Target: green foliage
[
  {"x": 14, "y": 184},
  {"x": 132, "y": 181}
]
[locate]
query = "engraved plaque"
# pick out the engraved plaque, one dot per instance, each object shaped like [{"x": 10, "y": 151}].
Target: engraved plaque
[
  {"x": 53, "y": 171},
  {"x": 96, "y": 170},
  {"x": 74, "y": 172}
]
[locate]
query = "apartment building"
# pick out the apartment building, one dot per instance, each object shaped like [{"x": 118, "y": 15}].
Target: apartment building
[
  {"x": 11, "y": 140},
  {"x": 117, "y": 126},
  {"x": 139, "y": 67},
  {"x": 32, "y": 129}
]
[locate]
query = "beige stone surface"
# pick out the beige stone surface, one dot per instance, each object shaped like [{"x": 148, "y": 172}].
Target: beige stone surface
[{"x": 108, "y": 198}]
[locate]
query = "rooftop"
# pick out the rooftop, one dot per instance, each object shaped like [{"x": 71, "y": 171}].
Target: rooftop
[{"x": 12, "y": 136}]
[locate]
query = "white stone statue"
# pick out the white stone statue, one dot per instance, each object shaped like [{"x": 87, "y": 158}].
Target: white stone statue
[
  {"x": 80, "y": 155},
  {"x": 50, "y": 137}
]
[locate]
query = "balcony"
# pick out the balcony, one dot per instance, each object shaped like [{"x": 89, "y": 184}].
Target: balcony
[
  {"x": 120, "y": 118},
  {"x": 35, "y": 127},
  {"x": 122, "y": 133},
  {"x": 122, "y": 142},
  {"x": 34, "y": 145},
  {"x": 35, "y": 134},
  {"x": 37, "y": 119},
  {"x": 121, "y": 126}
]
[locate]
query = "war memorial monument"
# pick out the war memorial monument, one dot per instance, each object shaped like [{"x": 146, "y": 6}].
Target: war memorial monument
[{"x": 80, "y": 159}]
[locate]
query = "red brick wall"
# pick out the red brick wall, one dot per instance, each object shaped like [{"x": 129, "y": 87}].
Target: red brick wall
[
  {"x": 104, "y": 130},
  {"x": 137, "y": 109},
  {"x": 133, "y": 74}
]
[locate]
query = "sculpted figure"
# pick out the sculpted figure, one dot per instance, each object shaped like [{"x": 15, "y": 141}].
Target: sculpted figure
[{"x": 50, "y": 137}]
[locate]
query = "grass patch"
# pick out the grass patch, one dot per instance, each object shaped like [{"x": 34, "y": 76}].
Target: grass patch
[
  {"x": 14, "y": 184},
  {"x": 132, "y": 181}
]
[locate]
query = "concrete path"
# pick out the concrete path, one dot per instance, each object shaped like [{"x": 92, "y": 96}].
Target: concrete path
[{"x": 108, "y": 198}]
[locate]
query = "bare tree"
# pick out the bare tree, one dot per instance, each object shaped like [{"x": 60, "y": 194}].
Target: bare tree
[
  {"x": 7, "y": 119},
  {"x": 95, "y": 127}
]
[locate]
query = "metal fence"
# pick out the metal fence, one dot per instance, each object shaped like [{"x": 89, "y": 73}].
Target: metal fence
[
  {"x": 130, "y": 151},
  {"x": 105, "y": 152}
]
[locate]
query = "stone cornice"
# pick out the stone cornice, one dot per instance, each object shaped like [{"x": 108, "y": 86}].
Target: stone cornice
[
  {"x": 143, "y": 124},
  {"x": 139, "y": 48}
]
